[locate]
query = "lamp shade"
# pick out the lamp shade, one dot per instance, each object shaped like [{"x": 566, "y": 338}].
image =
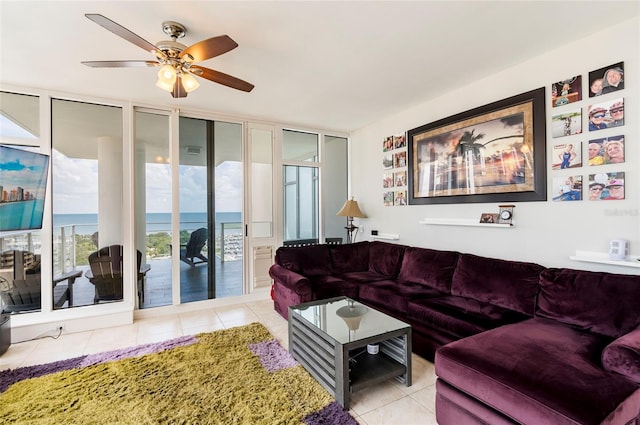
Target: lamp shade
[{"x": 351, "y": 209}]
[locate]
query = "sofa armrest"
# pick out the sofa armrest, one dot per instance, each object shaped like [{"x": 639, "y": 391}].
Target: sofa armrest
[
  {"x": 293, "y": 281},
  {"x": 623, "y": 356}
]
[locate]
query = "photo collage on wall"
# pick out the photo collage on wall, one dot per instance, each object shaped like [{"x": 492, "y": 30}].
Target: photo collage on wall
[
  {"x": 604, "y": 144},
  {"x": 394, "y": 163}
]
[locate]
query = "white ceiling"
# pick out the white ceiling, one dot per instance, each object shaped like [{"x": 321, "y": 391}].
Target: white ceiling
[{"x": 332, "y": 65}]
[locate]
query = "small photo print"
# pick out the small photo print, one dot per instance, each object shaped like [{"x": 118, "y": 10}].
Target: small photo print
[
  {"x": 566, "y": 124},
  {"x": 609, "y": 150},
  {"x": 387, "y": 198},
  {"x": 489, "y": 218},
  {"x": 567, "y": 155},
  {"x": 387, "y": 161},
  {"x": 399, "y": 141},
  {"x": 606, "y": 186},
  {"x": 606, "y": 114},
  {"x": 387, "y": 180},
  {"x": 566, "y": 91},
  {"x": 387, "y": 144},
  {"x": 400, "y": 178},
  {"x": 606, "y": 80},
  {"x": 400, "y": 197},
  {"x": 400, "y": 159},
  {"x": 567, "y": 188}
]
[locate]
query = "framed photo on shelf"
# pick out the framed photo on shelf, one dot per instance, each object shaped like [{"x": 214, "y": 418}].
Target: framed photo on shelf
[
  {"x": 494, "y": 153},
  {"x": 489, "y": 218}
]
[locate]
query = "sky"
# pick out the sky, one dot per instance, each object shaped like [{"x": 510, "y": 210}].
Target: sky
[{"x": 75, "y": 182}]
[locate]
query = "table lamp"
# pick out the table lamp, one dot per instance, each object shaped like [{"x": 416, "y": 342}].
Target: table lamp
[{"x": 350, "y": 210}]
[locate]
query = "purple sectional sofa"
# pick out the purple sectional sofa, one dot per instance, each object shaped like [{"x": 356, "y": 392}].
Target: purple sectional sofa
[{"x": 513, "y": 342}]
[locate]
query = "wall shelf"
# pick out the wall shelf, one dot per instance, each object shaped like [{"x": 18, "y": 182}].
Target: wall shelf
[
  {"x": 603, "y": 258},
  {"x": 463, "y": 222},
  {"x": 386, "y": 236}
]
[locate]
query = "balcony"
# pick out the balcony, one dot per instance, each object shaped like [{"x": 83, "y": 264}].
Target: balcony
[{"x": 73, "y": 242}]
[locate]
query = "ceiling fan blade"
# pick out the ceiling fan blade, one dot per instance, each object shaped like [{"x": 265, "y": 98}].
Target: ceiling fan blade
[
  {"x": 121, "y": 31},
  {"x": 209, "y": 48},
  {"x": 120, "y": 64},
  {"x": 178, "y": 89},
  {"x": 221, "y": 78}
]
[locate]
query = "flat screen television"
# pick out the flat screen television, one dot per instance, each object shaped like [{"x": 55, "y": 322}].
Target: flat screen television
[{"x": 23, "y": 185}]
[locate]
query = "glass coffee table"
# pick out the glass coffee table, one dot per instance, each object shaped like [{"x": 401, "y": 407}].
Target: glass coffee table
[{"x": 347, "y": 346}]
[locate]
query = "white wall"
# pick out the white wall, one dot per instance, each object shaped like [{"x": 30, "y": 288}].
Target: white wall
[{"x": 545, "y": 232}]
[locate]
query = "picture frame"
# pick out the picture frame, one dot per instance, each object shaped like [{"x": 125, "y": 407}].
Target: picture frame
[
  {"x": 489, "y": 218},
  {"x": 449, "y": 160}
]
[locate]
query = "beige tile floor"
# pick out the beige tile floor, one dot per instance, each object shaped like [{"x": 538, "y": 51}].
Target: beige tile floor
[{"x": 388, "y": 404}]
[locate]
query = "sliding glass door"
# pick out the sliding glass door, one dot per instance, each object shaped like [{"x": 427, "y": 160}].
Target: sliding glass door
[{"x": 211, "y": 223}]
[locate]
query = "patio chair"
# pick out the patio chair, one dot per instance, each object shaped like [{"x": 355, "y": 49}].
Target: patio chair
[
  {"x": 191, "y": 252},
  {"x": 20, "y": 287},
  {"x": 106, "y": 274}
]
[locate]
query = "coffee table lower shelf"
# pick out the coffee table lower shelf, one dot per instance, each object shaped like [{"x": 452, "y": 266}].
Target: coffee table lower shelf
[{"x": 329, "y": 361}]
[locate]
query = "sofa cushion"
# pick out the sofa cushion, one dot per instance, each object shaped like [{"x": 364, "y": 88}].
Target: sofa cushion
[
  {"x": 394, "y": 295},
  {"x": 460, "y": 316},
  {"x": 312, "y": 260},
  {"x": 385, "y": 258},
  {"x": 364, "y": 276},
  {"x": 508, "y": 284},
  {"x": 429, "y": 267},
  {"x": 352, "y": 257},
  {"x": 331, "y": 286},
  {"x": 623, "y": 356},
  {"x": 605, "y": 303},
  {"x": 540, "y": 372}
]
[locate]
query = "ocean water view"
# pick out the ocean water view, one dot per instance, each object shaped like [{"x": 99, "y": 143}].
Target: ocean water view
[{"x": 156, "y": 222}]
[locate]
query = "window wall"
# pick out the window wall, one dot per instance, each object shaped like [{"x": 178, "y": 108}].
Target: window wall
[
  {"x": 20, "y": 247},
  {"x": 87, "y": 202},
  {"x": 106, "y": 190}
]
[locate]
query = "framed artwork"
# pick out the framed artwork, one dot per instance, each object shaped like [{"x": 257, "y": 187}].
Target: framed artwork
[
  {"x": 567, "y": 155},
  {"x": 494, "y": 153},
  {"x": 400, "y": 159},
  {"x": 387, "y": 198},
  {"x": 399, "y": 141},
  {"x": 608, "y": 150},
  {"x": 400, "y": 178},
  {"x": 606, "y": 186},
  {"x": 567, "y": 123},
  {"x": 567, "y": 188},
  {"x": 400, "y": 197},
  {"x": 387, "y": 180},
  {"x": 566, "y": 91},
  {"x": 607, "y": 114},
  {"x": 387, "y": 161},
  {"x": 387, "y": 144},
  {"x": 606, "y": 80}
]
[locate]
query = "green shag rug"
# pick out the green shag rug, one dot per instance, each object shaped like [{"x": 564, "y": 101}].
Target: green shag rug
[{"x": 235, "y": 376}]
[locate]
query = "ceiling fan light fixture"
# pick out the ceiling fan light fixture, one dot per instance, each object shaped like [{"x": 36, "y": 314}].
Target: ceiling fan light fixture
[
  {"x": 166, "y": 78},
  {"x": 189, "y": 82}
]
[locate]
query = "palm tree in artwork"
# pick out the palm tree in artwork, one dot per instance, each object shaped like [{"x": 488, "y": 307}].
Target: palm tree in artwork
[{"x": 468, "y": 143}]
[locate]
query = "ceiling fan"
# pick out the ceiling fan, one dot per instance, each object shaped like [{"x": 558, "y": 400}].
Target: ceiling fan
[{"x": 175, "y": 59}]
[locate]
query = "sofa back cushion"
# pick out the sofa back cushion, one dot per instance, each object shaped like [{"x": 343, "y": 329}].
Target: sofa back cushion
[
  {"x": 429, "y": 267},
  {"x": 604, "y": 303},
  {"x": 385, "y": 258},
  {"x": 351, "y": 257},
  {"x": 509, "y": 284},
  {"x": 311, "y": 260}
]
